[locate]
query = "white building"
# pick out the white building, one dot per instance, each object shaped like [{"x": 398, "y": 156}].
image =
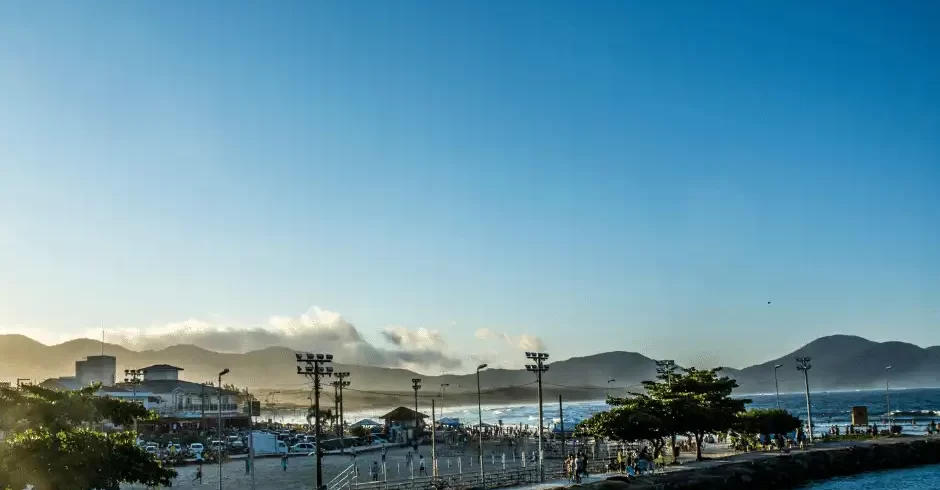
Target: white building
[{"x": 177, "y": 399}]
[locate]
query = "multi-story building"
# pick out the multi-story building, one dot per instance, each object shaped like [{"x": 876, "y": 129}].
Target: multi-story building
[{"x": 96, "y": 369}]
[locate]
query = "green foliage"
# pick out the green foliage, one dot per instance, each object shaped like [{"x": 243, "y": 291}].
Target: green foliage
[
  {"x": 53, "y": 445},
  {"x": 701, "y": 402},
  {"x": 696, "y": 402},
  {"x": 359, "y": 431},
  {"x": 640, "y": 418},
  {"x": 771, "y": 421}
]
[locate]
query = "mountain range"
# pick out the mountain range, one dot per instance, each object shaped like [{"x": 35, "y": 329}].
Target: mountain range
[{"x": 839, "y": 362}]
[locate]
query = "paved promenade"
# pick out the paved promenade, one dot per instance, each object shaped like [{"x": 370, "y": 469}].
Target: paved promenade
[{"x": 301, "y": 471}]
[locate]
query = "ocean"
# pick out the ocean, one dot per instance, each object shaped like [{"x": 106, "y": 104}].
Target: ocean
[
  {"x": 920, "y": 478},
  {"x": 912, "y": 409}
]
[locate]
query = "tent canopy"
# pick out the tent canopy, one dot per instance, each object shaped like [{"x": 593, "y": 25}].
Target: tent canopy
[
  {"x": 366, "y": 423},
  {"x": 450, "y": 422}
]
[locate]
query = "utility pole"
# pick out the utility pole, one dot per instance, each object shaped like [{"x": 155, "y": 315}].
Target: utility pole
[
  {"x": 433, "y": 442},
  {"x": 132, "y": 377},
  {"x": 338, "y": 386},
  {"x": 804, "y": 365},
  {"x": 443, "y": 388},
  {"x": 480, "y": 427},
  {"x": 665, "y": 368},
  {"x": 221, "y": 440},
  {"x": 203, "y": 407},
  {"x": 416, "y": 385},
  {"x": 335, "y": 418},
  {"x": 251, "y": 436},
  {"x": 342, "y": 418},
  {"x": 312, "y": 366},
  {"x": 538, "y": 368},
  {"x": 777, "y": 384}
]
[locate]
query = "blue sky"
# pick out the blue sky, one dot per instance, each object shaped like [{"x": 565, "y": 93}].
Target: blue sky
[{"x": 611, "y": 175}]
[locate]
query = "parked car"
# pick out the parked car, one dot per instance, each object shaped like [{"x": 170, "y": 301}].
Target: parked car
[
  {"x": 196, "y": 449},
  {"x": 303, "y": 447},
  {"x": 152, "y": 449}
]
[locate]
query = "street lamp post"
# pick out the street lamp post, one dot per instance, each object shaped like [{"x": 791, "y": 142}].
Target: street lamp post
[
  {"x": 133, "y": 376},
  {"x": 538, "y": 368},
  {"x": 223, "y": 373},
  {"x": 804, "y": 365},
  {"x": 777, "y": 384},
  {"x": 443, "y": 389},
  {"x": 480, "y": 413},
  {"x": 888, "y": 397}
]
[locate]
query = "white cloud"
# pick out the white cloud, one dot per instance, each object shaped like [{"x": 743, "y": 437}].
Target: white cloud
[
  {"x": 523, "y": 342},
  {"x": 315, "y": 330}
]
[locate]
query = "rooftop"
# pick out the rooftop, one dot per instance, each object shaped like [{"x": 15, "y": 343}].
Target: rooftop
[
  {"x": 162, "y": 367},
  {"x": 170, "y": 385},
  {"x": 402, "y": 413}
]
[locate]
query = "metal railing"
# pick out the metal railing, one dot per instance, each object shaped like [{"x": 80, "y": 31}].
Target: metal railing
[
  {"x": 343, "y": 479},
  {"x": 494, "y": 479}
]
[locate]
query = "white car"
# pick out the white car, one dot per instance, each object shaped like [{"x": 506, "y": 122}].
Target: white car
[
  {"x": 197, "y": 449},
  {"x": 303, "y": 447},
  {"x": 152, "y": 449}
]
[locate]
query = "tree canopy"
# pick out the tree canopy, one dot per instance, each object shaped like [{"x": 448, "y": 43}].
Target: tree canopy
[
  {"x": 769, "y": 421},
  {"x": 695, "y": 402},
  {"x": 52, "y": 443}
]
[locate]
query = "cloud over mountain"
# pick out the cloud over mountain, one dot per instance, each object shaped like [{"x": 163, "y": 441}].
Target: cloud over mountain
[
  {"x": 522, "y": 342},
  {"x": 317, "y": 330}
]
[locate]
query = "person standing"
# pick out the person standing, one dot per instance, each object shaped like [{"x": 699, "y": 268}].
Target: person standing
[
  {"x": 247, "y": 466},
  {"x": 283, "y": 462},
  {"x": 421, "y": 470}
]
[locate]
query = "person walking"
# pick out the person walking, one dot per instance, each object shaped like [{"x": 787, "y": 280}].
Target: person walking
[
  {"x": 283, "y": 462},
  {"x": 375, "y": 471},
  {"x": 421, "y": 470},
  {"x": 247, "y": 466},
  {"x": 198, "y": 475}
]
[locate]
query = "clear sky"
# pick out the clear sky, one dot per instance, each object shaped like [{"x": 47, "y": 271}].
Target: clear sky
[{"x": 625, "y": 175}]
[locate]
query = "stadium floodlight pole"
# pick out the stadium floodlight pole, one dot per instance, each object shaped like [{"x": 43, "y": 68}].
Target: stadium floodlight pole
[
  {"x": 342, "y": 383},
  {"x": 777, "y": 384},
  {"x": 480, "y": 413},
  {"x": 132, "y": 377},
  {"x": 443, "y": 388},
  {"x": 538, "y": 368},
  {"x": 804, "y": 365},
  {"x": 888, "y": 396},
  {"x": 416, "y": 385},
  {"x": 222, "y": 373},
  {"x": 312, "y": 366}
]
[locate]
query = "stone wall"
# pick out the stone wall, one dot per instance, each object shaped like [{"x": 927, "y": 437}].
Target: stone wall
[{"x": 787, "y": 470}]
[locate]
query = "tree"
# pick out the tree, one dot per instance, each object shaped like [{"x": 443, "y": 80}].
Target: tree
[
  {"x": 700, "y": 402},
  {"x": 638, "y": 418},
  {"x": 770, "y": 421},
  {"x": 53, "y": 445}
]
